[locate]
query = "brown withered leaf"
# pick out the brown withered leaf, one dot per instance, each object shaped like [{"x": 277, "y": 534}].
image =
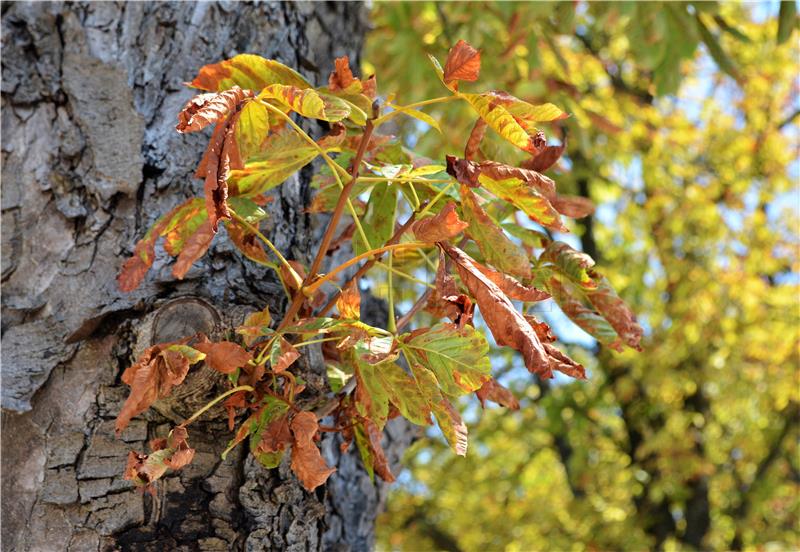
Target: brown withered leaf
[
  {"x": 224, "y": 356},
  {"x": 614, "y": 309},
  {"x": 282, "y": 355},
  {"x": 501, "y": 171},
  {"x": 463, "y": 63},
  {"x": 511, "y": 287},
  {"x": 307, "y": 462},
  {"x": 349, "y": 302},
  {"x": 561, "y": 362},
  {"x": 542, "y": 329},
  {"x": 379, "y": 462},
  {"x": 507, "y": 325},
  {"x": 173, "y": 452},
  {"x": 440, "y": 227},
  {"x": 195, "y": 247},
  {"x": 152, "y": 376},
  {"x": 341, "y": 77},
  {"x": 206, "y": 109},
  {"x": 493, "y": 391},
  {"x": 276, "y": 436},
  {"x": 545, "y": 159},
  {"x": 573, "y": 206},
  {"x": 475, "y": 139}
]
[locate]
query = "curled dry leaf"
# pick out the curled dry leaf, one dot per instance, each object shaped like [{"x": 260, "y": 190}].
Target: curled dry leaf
[
  {"x": 507, "y": 325},
  {"x": 493, "y": 391},
  {"x": 307, "y": 462},
  {"x": 342, "y": 77},
  {"x": 224, "y": 356},
  {"x": 440, "y": 227},
  {"x": 475, "y": 139},
  {"x": 349, "y": 302},
  {"x": 614, "y": 309},
  {"x": 463, "y": 63},
  {"x": 152, "y": 377},
  {"x": 445, "y": 300},
  {"x": 173, "y": 452},
  {"x": 573, "y": 206},
  {"x": 511, "y": 287},
  {"x": 379, "y": 462},
  {"x": 545, "y": 159},
  {"x": 206, "y": 109}
]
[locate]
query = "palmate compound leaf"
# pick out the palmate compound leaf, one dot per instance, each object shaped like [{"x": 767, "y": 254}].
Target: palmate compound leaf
[
  {"x": 458, "y": 357},
  {"x": 507, "y": 325},
  {"x": 526, "y": 190},
  {"x": 152, "y": 377},
  {"x": 247, "y": 71},
  {"x": 283, "y": 153},
  {"x": 495, "y": 246}
]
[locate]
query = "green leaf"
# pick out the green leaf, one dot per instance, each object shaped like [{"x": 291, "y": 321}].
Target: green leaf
[
  {"x": 189, "y": 353},
  {"x": 586, "y": 318},
  {"x": 448, "y": 418},
  {"x": 787, "y": 20},
  {"x": 458, "y": 357},
  {"x": 379, "y": 221},
  {"x": 248, "y": 71},
  {"x": 724, "y": 62},
  {"x": 180, "y": 223},
  {"x": 386, "y": 383},
  {"x": 570, "y": 262},
  {"x": 496, "y": 247},
  {"x": 248, "y": 209},
  {"x": 252, "y": 129}
]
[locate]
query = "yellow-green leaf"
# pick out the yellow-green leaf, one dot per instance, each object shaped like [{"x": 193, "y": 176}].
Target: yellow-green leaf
[
  {"x": 525, "y": 198},
  {"x": 308, "y": 102},
  {"x": 248, "y": 71},
  {"x": 496, "y": 247},
  {"x": 252, "y": 129}
]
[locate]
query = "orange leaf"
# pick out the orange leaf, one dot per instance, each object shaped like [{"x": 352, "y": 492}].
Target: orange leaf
[
  {"x": 307, "y": 462},
  {"x": 342, "y": 76},
  {"x": 194, "y": 248},
  {"x": 493, "y": 391},
  {"x": 440, "y": 227},
  {"x": 475, "y": 138},
  {"x": 379, "y": 462},
  {"x": 135, "y": 268},
  {"x": 224, "y": 356},
  {"x": 246, "y": 242},
  {"x": 349, "y": 302},
  {"x": 463, "y": 63}
]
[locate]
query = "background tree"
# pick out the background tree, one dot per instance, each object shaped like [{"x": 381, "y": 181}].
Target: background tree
[
  {"x": 90, "y": 159},
  {"x": 683, "y": 130}
]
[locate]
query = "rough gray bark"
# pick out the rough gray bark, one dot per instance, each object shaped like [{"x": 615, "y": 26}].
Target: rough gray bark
[{"x": 90, "y": 93}]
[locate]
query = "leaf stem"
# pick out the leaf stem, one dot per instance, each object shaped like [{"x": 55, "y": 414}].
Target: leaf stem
[
  {"x": 400, "y": 108},
  {"x": 269, "y": 244},
  {"x": 215, "y": 401},
  {"x": 392, "y": 322},
  {"x": 435, "y": 199},
  {"x": 311, "y": 288}
]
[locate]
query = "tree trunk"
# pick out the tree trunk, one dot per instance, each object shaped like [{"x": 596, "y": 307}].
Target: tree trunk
[{"x": 90, "y": 94}]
